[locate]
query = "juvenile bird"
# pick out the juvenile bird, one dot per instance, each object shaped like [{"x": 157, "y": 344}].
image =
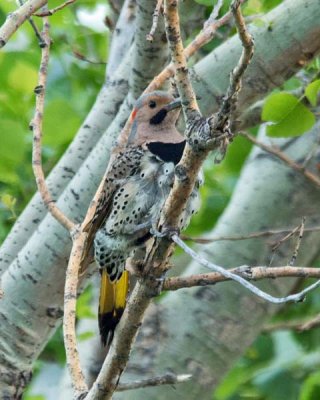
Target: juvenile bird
[{"x": 137, "y": 185}]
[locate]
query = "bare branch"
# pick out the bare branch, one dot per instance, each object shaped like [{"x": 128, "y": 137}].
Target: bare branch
[
  {"x": 207, "y": 34},
  {"x": 36, "y": 126},
  {"x": 167, "y": 379},
  {"x": 48, "y": 13},
  {"x": 69, "y": 316},
  {"x": 299, "y": 326},
  {"x": 297, "y": 247},
  {"x": 253, "y": 235},
  {"x": 119, "y": 352},
  {"x": 17, "y": 18},
  {"x": 214, "y": 14},
  {"x": 35, "y": 28},
  {"x": 250, "y": 273},
  {"x": 172, "y": 23},
  {"x": 283, "y": 157},
  {"x": 285, "y": 238},
  {"x": 229, "y": 102},
  {"x": 155, "y": 18},
  {"x": 227, "y": 274},
  {"x": 79, "y": 239}
]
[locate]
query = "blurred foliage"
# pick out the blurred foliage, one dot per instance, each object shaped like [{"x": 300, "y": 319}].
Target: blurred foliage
[
  {"x": 281, "y": 365},
  {"x": 72, "y": 87}
]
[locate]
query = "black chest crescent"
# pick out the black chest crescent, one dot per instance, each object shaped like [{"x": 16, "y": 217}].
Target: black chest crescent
[{"x": 168, "y": 152}]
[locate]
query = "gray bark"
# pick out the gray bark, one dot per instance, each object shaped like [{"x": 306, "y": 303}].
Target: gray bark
[{"x": 33, "y": 283}]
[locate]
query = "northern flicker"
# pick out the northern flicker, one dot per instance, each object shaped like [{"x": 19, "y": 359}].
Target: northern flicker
[{"x": 136, "y": 188}]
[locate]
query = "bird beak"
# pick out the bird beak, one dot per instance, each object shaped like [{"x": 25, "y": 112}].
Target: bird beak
[{"x": 173, "y": 105}]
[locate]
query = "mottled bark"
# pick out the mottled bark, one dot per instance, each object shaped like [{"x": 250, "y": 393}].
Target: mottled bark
[
  {"x": 148, "y": 57},
  {"x": 33, "y": 284}
]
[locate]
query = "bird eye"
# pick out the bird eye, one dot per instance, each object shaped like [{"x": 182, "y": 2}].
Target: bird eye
[{"x": 152, "y": 104}]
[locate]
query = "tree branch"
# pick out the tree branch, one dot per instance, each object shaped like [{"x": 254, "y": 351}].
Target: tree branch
[
  {"x": 253, "y": 235},
  {"x": 250, "y": 273},
  {"x": 35, "y": 28},
  {"x": 167, "y": 379},
  {"x": 48, "y": 13},
  {"x": 155, "y": 18},
  {"x": 283, "y": 157},
  {"x": 228, "y": 274},
  {"x": 299, "y": 326},
  {"x": 36, "y": 126},
  {"x": 17, "y": 18}
]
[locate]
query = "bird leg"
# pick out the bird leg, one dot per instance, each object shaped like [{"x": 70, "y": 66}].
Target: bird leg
[{"x": 167, "y": 231}]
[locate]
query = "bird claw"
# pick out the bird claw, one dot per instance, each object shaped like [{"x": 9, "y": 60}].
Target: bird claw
[{"x": 166, "y": 232}]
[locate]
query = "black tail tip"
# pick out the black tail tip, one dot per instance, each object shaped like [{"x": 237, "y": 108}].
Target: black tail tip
[{"x": 107, "y": 325}]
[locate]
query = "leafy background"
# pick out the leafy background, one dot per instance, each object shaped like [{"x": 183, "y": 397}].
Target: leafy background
[{"x": 279, "y": 365}]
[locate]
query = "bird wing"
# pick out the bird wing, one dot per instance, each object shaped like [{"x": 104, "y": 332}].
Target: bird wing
[{"x": 125, "y": 163}]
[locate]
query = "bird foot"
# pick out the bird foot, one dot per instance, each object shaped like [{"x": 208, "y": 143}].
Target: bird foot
[{"x": 167, "y": 231}]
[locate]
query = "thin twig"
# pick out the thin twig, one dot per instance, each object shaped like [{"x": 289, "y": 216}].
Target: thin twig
[
  {"x": 214, "y": 14},
  {"x": 229, "y": 101},
  {"x": 79, "y": 258},
  {"x": 172, "y": 24},
  {"x": 283, "y": 157},
  {"x": 82, "y": 57},
  {"x": 253, "y": 235},
  {"x": 299, "y": 326},
  {"x": 155, "y": 18},
  {"x": 258, "y": 292},
  {"x": 17, "y": 18},
  {"x": 297, "y": 247},
  {"x": 250, "y": 273},
  {"x": 167, "y": 379},
  {"x": 36, "y": 126},
  {"x": 35, "y": 28},
  {"x": 48, "y": 13},
  {"x": 285, "y": 238},
  {"x": 204, "y": 37}
]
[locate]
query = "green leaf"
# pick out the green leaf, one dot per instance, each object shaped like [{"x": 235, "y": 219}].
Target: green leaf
[
  {"x": 85, "y": 336},
  {"x": 311, "y": 387},
  {"x": 59, "y": 130},
  {"x": 289, "y": 116},
  {"x": 84, "y": 309},
  {"x": 23, "y": 77},
  {"x": 9, "y": 202},
  {"x": 207, "y": 3},
  {"x": 312, "y": 91},
  {"x": 12, "y": 142}
]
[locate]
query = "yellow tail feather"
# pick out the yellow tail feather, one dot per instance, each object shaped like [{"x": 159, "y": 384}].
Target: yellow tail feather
[{"x": 112, "y": 302}]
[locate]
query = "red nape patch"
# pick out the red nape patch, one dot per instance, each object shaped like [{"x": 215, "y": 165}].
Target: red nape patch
[{"x": 133, "y": 114}]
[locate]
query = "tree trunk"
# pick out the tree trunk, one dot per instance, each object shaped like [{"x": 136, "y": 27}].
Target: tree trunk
[{"x": 34, "y": 257}]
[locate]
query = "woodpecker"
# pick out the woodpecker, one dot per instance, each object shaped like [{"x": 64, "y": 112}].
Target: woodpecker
[{"x": 136, "y": 187}]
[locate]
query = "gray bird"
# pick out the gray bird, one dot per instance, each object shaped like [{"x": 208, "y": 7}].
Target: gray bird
[{"x": 137, "y": 185}]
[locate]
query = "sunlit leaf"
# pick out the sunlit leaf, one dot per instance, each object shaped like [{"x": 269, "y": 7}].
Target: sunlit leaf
[
  {"x": 289, "y": 116},
  {"x": 312, "y": 91}
]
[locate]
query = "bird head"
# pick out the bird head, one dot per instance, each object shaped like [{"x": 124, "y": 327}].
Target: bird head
[{"x": 154, "y": 117}]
